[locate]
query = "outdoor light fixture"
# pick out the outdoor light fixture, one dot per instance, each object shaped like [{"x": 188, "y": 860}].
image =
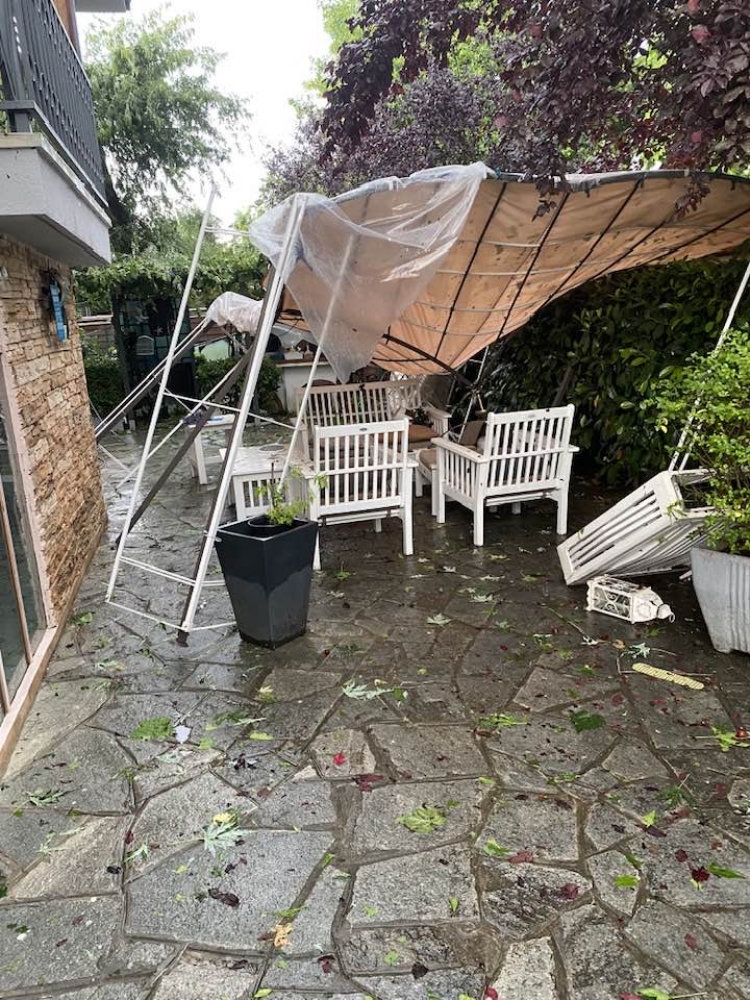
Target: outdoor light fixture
[{"x": 626, "y": 600}]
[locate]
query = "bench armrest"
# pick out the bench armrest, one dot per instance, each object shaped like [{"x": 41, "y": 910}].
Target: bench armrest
[{"x": 459, "y": 449}]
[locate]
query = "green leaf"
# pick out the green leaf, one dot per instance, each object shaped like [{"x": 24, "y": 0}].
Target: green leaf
[
  {"x": 651, "y": 993},
  {"x": 494, "y": 850},
  {"x": 500, "y": 720},
  {"x": 720, "y": 872},
  {"x": 627, "y": 881},
  {"x": 261, "y": 737},
  {"x": 83, "y": 618},
  {"x": 454, "y": 905},
  {"x": 291, "y": 913},
  {"x": 649, "y": 819},
  {"x": 583, "y": 720},
  {"x": 424, "y": 819},
  {"x": 159, "y": 728},
  {"x": 440, "y": 620},
  {"x": 259, "y": 994},
  {"x": 391, "y": 958}
]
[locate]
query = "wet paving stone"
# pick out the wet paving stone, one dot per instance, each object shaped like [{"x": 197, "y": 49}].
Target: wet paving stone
[
  {"x": 298, "y": 802},
  {"x": 382, "y": 825},
  {"x": 191, "y": 898},
  {"x": 431, "y": 751},
  {"x": 86, "y": 861},
  {"x": 673, "y": 940},
  {"x": 423, "y": 818},
  {"x": 191, "y": 979},
  {"x": 553, "y": 745},
  {"x": 415, "y": 889},
  {"x": 56, "y": 941},
  {"x": 88, "y": 768},
  {"x": 448, "y": 983},
  {"x": 342, "y": 753},
  {"x": 545, "y": 826},
  {"x": 529, "y": 971},
  {"x": 598, "y": 965},
  {"x": 524, "y": 899}
]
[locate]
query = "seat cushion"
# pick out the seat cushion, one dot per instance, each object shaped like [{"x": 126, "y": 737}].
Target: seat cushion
[
  {"x": 428, "y": 457},
  {"x": 418, "y": 432},
  {"x": 471, "y": 433}
]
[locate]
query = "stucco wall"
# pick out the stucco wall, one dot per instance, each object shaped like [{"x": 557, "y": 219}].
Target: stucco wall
[{"x": 47, "y": 387}]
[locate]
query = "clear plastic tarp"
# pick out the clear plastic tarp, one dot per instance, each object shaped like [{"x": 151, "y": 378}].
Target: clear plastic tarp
[
  {"x": 362, "y": 259},
  {"x": 418, "y": 275},
  {"x": 241, "y": 312}
]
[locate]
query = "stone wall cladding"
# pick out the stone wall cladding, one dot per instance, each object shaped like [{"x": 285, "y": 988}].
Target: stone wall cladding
[{"x": 49, "y": 384}]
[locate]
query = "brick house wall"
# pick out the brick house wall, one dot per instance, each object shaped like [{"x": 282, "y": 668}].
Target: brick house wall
[{"x": 46, "y": 386}]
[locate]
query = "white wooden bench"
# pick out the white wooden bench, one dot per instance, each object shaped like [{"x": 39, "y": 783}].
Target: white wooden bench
[
  {"x": 525, "y": 456},
  {"x": 651, "y": 530},
  {"x": 369, "y": 403},
  {"x": 362, "y": 472}
]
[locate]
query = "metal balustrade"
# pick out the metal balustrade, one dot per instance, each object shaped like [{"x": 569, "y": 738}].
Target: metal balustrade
[{"x": 45, "y": 87}]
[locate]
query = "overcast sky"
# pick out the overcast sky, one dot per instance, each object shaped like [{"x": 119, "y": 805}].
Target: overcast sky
[{"x": 269, "y": 47}]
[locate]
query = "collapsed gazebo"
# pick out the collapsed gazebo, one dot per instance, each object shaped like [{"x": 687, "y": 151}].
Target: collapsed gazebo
[{"x": 418, "y": 275}]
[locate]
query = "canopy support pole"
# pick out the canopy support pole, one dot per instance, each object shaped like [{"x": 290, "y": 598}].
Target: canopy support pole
[
  {"x": 265, "y": 324},
  {"x": 166, "y": 371}
]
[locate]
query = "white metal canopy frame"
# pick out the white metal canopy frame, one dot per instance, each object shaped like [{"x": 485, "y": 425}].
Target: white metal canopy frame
[{"x": 419, "y": 274}]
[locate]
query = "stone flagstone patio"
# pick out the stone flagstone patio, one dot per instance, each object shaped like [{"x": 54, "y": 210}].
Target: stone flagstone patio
[{"x": 453, "y": 787}]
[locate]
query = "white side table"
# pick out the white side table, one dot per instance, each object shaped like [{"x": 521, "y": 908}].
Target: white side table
[{"x": 196, "y": 455}]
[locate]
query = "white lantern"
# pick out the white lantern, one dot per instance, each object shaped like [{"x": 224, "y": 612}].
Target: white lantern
[{"x": 626, "y": 600}]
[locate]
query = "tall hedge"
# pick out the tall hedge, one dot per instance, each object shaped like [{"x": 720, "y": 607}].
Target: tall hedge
[{"x": 610, "y": 340}]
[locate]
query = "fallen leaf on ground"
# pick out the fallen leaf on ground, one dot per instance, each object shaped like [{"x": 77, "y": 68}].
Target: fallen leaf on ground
[{"x": 227, "y": 898}]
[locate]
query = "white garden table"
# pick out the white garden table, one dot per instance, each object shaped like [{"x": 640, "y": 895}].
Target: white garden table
[
  {"x": 254, "y": 471},
  {"x": 197, "y": 456}
]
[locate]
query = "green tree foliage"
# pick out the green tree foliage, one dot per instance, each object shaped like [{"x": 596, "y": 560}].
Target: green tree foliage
[
  {"x": 614, "y": 339},
  {"x": 210, "y": 371},
  {"x": 160, "y": 117},
  {"x": 103, "y": 377},
  {"x": 719, "y": 382}
]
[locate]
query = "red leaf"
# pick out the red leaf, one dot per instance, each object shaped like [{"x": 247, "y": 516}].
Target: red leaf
[
  {"x": 618, "y": 699},
  {"x": 691, "y": 942},
  {"x": 569, "y": 891},
  {"x": 227, "y": 898},
  {"x": 681, "y": 855},
  {"x": 522, "y": 857},
  {"x": 77, "y": 921},
  {"x": 700, "y": 874},
  {"x": 339, "y": 759},
  {"x": 365, "y": 781},
  {"x": 59, "y": 944},
  {"x": 491, "y": 993},
  {"x": 629, "y": 996},
  {"x": 326, "y": 963},
  {"x": 693, "y": 7},
  {"x": 700, "y": 33}
]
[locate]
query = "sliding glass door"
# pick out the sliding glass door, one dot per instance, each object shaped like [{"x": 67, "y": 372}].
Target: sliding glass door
[{"x": 21, "y": 614}]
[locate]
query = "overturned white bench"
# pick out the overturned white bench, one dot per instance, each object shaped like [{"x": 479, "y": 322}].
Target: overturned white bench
[{"x": 651, "y": 530}]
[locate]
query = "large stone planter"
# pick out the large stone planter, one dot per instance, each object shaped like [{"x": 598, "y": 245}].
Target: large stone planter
[{"x": 722, "y": 585}]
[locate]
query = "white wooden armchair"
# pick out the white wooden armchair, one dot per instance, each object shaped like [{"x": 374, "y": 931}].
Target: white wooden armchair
[
  {"x": 362, "y": 472},
  {"x": 525, "y": 456},
  {"x": 369, "y": 402}
]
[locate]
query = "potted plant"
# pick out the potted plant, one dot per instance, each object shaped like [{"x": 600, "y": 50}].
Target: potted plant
[
  {"x": 267, "y": 565},
  {"x": 719, "y": 442}
]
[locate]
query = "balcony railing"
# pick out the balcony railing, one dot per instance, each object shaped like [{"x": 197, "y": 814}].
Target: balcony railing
[{"x": 45, "y": 87}]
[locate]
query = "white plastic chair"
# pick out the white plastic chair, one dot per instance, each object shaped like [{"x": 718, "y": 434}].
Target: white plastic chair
[
  {"x": 525, "y": 456},
  {"x": 362, "y": 472}
]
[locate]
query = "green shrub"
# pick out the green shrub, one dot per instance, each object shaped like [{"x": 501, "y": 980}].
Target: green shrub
[
  {"x": 209, "y": 372},
  {"x": 103, "y": 377},
  {"x": 714, "y": 390},
  {"x": 615, "y": 338}
]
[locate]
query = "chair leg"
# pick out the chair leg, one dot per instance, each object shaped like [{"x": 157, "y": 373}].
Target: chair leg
[
  {"x": 418, "y": 484},
  {"x": 406, "y": 518},
  {"x": 378, "y": 525},
  {"x": 562, "y": 512},
  {"x": 434, "y": 490},
  {"x": 440, "y": 505},
  {"x": 516, "y": 507},
  {"x": 316, "y": 558},
  {"x": 479, "y": 525}
]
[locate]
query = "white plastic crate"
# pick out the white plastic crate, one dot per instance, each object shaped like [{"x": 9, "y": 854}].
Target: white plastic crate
[{"x": 652, "y": 530}]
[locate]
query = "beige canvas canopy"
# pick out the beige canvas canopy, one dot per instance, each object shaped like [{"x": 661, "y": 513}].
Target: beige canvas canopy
[{"x": 418, "y": 275}]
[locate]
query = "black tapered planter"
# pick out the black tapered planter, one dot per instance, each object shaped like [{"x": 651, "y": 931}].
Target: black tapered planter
[{"x": 268, "y": 572}]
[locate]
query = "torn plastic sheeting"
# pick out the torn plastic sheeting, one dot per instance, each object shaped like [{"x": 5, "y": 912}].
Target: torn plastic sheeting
[
  {"x": 239, "y": 310},
  {"x": 363, "y": 258}
]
